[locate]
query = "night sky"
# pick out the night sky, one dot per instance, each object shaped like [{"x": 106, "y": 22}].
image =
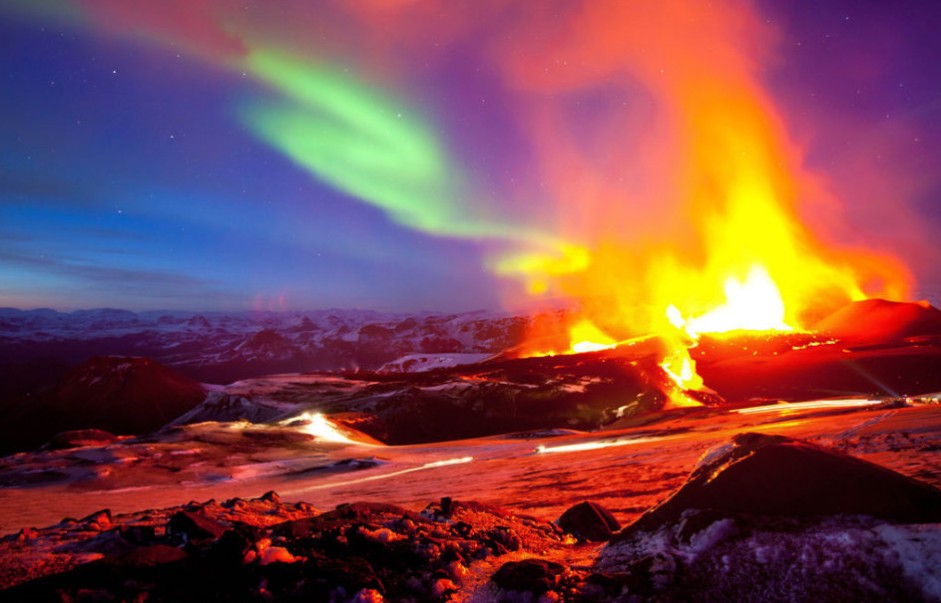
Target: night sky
[{"x": 409, "y": 155}]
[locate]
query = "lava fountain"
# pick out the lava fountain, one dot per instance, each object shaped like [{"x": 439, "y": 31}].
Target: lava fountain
[{"x": 738, "y": 248}]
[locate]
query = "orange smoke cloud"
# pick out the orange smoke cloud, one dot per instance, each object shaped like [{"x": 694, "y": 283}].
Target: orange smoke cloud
[{"x": 691, "y": 179}]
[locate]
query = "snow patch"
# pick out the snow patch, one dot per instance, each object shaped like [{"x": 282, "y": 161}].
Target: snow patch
[
  {"x": 918, "y": 550},
  {"x": 419, "y": 363}
]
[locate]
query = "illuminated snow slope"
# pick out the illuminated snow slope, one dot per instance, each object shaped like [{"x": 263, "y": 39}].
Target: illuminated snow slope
[
  {"x": 311, "y": 458},
  {"x": 541, "y": 473}
]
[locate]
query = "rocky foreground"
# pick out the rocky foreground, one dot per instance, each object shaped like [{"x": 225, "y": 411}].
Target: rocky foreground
[{"x": 760, "y": 518}]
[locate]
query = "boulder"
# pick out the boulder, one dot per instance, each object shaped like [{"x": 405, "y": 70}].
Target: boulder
[
  {"x": 774, "y": 476},
  {"x": 188, "y": 526},
  {"x": 139, "y": 535},
  {"x": 529, "y": 575},
  {"x": 589, "y": 521},
  {"x": 149, "y": 556},
  {"x": 81, "y": 437},
  {"x": 98, "y": 521}
]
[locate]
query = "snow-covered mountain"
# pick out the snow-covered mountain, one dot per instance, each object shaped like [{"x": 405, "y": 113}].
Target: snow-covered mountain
[
  {"x": 439, "y": 377},
  {"x": 221, "y": 347}
]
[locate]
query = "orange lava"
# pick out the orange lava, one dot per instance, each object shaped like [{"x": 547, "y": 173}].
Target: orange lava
[{"x": 733, "y": 250}]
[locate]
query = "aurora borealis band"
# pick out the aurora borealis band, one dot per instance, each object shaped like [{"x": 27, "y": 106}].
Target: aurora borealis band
[{"x": 419, "y": 154}]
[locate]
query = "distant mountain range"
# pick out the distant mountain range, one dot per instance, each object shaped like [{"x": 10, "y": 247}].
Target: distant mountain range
[
  {"x": 44, "y": 355},
  {"x": 417, "y": 378},
  {"x": 220, "y": 347}
]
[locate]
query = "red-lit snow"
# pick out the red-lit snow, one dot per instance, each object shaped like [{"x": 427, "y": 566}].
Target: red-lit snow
[
  {"x": 626, "y": 470},
  {"x": 539, "y": 474}
]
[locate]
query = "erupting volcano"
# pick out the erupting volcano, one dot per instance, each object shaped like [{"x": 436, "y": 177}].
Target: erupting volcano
[
  {"x": 480, "y": 301},
  {"x": 741, "y": 251}
]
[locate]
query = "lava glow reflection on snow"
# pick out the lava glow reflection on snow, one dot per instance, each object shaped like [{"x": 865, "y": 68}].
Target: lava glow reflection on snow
[
  {"x": 809, "y": 405},
  {"x": 586, "y": 337},
  {"x": 317, "y": 425},
  {"x": 596, "y": 444},
  {"x": 432, "y": 465}
]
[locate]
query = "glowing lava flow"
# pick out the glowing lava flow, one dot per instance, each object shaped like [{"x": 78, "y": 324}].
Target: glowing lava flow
[
  {"x": 752, "y": 304},
  {"x": 722, "y": 233},
  {"x": 317, "y": 425},
  {"x": 586, "y": 337},
  {"x": 681, "y": 368}
]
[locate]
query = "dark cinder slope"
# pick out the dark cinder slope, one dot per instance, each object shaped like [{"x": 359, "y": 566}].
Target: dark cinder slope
[{"x": 114, "y": 393}]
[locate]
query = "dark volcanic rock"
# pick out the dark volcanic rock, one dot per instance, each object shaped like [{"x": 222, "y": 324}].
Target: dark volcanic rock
[
  {"x": 580, "y": 391},
  {"x": 774, "y": 476},
  {"x": 149, "y": 556},
  {"x": 358, "y": 552},
  {"x": 231, "y": 547},
  {"x": 867, "y": 348},
  {"x": 822, "y": 368},
  {"x": 768, "y": 518},
  {"x": 81, "y": 437},
  {"x": 374, "y": 552},
  {"x": 529, "y": 575},
  {"x": 98, "y": 521},
  {"x": 139, "y": 535},
  {"x": 879, "y": 321},
  {"x": 589, "y": 521},
  {"x": 125, "y": 395},
  {"x": 188, "y": 526}
]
